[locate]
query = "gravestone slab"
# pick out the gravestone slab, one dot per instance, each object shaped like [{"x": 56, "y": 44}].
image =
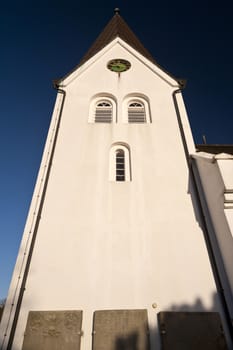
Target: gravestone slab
[
  {"x": 53, "y": 330},
  {"x": 120, "y": 330},
  {"x": 191, "y": 330}
]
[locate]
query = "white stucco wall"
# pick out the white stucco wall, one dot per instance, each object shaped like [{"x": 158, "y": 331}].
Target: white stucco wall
[
  {"x": 225, "y": 165},
  {"x": 115, "y": 245},
  {"x": 215, "y": 174}
]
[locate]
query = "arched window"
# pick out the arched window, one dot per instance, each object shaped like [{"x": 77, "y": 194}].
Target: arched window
[
  {"x": 136, "y": 109},
  {"x": 103, "y": 109},
  {"x": 103, "y": 112},
  {"x": 119, "y": 165},
  {"x": 136, "y": 112}
]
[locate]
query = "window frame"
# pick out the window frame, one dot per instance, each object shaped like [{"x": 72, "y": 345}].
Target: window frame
[
  {"x": 102, "y": 111},
  {"x": 134, "y": 98},
  {"x": 93, "y": 107},
  {"x": 120, "y": 165},
  {"x": 136, "y": 110},
  {"x": 113, "y": 165}
]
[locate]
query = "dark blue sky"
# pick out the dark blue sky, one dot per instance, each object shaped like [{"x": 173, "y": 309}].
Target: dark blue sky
[{"x": 44, "y": 40}]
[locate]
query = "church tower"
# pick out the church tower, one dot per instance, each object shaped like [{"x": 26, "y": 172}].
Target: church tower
[{"x": 113, "y": 252}]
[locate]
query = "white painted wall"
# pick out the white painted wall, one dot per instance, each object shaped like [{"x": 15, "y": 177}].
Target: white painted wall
[
  {"x": 216, "y": 178},
  {"x": 106, "y": 245}
]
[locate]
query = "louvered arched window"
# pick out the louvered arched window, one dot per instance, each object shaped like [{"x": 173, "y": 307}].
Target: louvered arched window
[
  {"x": 103, "y": 109},
  {"x": 103, "y": 112},
  {"x": 136, "y": 112},
  {"x": 136, "y": 109}
]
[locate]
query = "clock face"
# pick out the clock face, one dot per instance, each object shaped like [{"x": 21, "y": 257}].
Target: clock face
[{"x": 118, "y": 65}]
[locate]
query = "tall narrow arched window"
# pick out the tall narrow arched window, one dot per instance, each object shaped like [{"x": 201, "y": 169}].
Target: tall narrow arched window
[
  {"x": 119, "y": 165},
  {"x": 103, "y": 112},
  {"x": 136, "y": 112}
]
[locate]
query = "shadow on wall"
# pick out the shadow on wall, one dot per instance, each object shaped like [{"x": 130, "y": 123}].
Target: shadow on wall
[
  {"x": 218, "y": 240},
  {"x": 181, "y": 327},
  {"x": 127, "y": 343},
  {"x": 193, "y": 326},
  {"x": 197, "y": 305},
  {"x": 195, "y": 202},
  {"x": 138, "y": 340},
  {"x": 2, "y": 304}
]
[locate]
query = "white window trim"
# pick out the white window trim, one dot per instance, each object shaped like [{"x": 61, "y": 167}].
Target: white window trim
[
  {"x": 95, "y": 102},
  {"x": 132, "y": 99},
  {"x": 112, "y": 162}
]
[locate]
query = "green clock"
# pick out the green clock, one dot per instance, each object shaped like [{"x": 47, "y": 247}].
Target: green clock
[{"x": 118, "y": 65}]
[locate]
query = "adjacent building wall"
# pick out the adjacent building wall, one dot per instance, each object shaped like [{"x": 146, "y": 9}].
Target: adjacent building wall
[{"x": 214, "y": 176}]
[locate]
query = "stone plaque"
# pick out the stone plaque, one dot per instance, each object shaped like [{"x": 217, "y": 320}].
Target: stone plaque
[
  {"x": 53, "y": 330},
  {"x": 191, "y": 330},
  {"x": 120, "y": 330}
]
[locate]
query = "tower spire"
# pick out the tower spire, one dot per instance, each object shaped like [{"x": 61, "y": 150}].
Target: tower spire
[
  {"x": 116, "y": 10},
  {"x": 116, "y": 27}
]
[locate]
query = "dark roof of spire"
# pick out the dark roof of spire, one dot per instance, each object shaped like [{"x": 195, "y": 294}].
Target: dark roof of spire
[{"x": 116, "y": 27}]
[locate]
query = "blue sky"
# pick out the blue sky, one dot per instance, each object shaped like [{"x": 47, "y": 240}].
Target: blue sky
[{"x": 41, "y": 41}]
